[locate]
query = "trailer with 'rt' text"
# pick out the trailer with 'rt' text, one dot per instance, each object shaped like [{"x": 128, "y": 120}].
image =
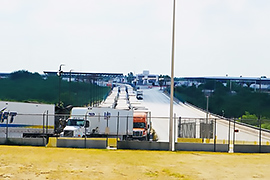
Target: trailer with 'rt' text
[{"x": 19, "y": 119}]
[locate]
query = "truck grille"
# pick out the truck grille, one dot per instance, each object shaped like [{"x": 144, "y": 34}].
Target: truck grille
[
  {"x": 137, "y": 133},
  {"x": 68, "y": 133}
]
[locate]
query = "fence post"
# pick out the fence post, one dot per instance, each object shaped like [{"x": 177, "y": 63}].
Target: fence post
[
  {"x": 233, "y": 131},
  {"x": 198, "y": 133},
  {"x": 107, "y": 131},
  {"x": 85, "y": 117},
  {"x": 179, "y": 127},
  {"x": 47, "y": 121},
  {"x": 215, "y": 138},
  {"x": 7, "y": 129},
  {"x": 260, "y": 136},
  {"x": 127, "y": 128},
  {"x": 174, "y": 137},
  {"x": 43, "y": 129},
  {"x": 117, "y": 129},
  {"x": 230, "y": 146},
  {"x": 43, "y": 123}
]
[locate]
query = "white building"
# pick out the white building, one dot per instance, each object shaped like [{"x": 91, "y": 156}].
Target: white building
[{"x": 146, "y": 78}]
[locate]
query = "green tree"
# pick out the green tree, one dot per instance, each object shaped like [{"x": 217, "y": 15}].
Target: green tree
[
  {"x": 130, "y": 77},
  {"x": 24, "y": 86},
  {"x": 233, "y": 104}
]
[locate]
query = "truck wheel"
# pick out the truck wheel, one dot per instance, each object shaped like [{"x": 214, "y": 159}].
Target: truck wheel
[{"x": 147, "y": 137}]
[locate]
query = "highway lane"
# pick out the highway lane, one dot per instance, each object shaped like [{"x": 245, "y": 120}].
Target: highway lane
[{"x": 159, "y": 104}]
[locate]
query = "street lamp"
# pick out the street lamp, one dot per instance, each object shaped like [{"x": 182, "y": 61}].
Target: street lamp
[
  {"x": 171, "y": 127},
  {"x": 70, "y": 84},
  {"x": 70, "y": 74},
  {"x": 59, "y": 75},
  {"x": 207, "y": 116},
  {"x": 207, "y": 106}
]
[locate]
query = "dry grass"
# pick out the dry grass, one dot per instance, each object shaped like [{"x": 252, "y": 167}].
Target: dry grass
[{"x": 17, "y": 162}]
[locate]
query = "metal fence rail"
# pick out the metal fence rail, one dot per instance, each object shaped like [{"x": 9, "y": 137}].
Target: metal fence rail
[
  {"x": 224, "y": 131},
  {"x": 216, "y": 132}
]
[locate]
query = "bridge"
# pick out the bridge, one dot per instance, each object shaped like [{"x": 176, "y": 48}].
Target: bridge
[{"x": 84, "y": 76}]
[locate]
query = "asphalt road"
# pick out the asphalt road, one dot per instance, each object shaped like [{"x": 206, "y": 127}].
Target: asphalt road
[{"x": 159, "y": 104}]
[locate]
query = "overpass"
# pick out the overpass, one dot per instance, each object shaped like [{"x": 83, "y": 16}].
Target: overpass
[
  {"x": 256, "y": 80},
  {"x": 84, "y": 76}
]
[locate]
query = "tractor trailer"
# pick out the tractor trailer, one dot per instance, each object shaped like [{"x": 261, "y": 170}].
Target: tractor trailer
[
  {"x": 99, "y": 122},
  {"x": 142, "y": 126},
  {"x": 19, "y": 119}
]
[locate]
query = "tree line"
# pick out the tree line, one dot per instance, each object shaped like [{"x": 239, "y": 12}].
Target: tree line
[
  {"x": 242, "y": 103},
  {"x": 24, "y": 86}
]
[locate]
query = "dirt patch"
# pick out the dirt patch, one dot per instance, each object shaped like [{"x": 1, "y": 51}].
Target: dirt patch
[{"x": 17, "y": 162}]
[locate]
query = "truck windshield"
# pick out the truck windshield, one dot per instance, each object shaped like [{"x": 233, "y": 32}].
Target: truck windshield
[
  {"x": 138, "y": 125},
  {"x": 75, "y": 122}
]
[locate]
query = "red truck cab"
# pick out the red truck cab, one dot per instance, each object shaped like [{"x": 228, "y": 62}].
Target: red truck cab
[{"x": 141, "y": 126}]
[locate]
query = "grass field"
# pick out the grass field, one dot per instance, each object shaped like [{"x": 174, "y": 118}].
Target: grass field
[{"x": 19, "y": 162}]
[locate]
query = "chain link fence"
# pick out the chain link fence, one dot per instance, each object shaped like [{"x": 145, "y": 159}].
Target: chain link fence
[
  {"x": 188, "y": 130},
  {"x": 224, "y": 131}
]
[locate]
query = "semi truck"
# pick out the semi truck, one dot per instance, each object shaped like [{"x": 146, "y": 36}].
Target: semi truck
[
  {"x": 99, "y": 122},
  {"x": 19, "y": 119},
  {"x": 139, "y": 94},
  {"x": 142, "y": 126}
]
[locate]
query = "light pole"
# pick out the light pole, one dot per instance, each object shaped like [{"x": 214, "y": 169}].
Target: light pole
[
  {"x": 260, "y": 84},
  {"x": 59, "y": 75},
  {"x": 69, "y": 84},
  {"x": 171, "y": 127},
  {"x": 70, "y": 74},
  {"x": 207, "y": 106},
  {"x": 207, "y": 115}
]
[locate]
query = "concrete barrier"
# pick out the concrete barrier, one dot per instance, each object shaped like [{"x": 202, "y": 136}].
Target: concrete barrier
[
  {"x": 246, "y": 148},
  {"x": 152, "y": 145},
  {"x": 143, "y": 145},
  {"x": 201, "y": 147},
  {"x": 23, "y": 141},
  {"x": 97, "y": 143},
  {"x": 251, "y": 149},
  {"x": 103, "y": 143},
  {"x": 52, "y": 142},
  {"x": 2, "y": 141},
  {"x": 265, "y": 149}
]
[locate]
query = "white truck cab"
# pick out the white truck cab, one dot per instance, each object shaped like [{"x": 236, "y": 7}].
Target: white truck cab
[
  {"x": 76, "y": 128},
  {"x": 78, "y": 123},
  {"x": 99, "y": 122}
]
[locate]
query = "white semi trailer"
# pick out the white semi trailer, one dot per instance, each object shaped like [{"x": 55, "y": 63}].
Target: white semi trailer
[
  {"x": 26, "y": 119},
  {"x": 99, "y": 122}
]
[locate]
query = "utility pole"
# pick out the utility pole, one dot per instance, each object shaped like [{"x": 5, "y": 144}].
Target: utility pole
[
  {"x": 171, "y": 127},
  {"x": 59, "y": 75}
]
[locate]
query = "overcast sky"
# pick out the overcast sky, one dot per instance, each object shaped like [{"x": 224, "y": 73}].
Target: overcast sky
[{"x": 213, "y": 37}]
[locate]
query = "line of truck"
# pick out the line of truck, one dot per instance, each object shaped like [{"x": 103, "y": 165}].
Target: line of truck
[{"x": 121, "y": 115}]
